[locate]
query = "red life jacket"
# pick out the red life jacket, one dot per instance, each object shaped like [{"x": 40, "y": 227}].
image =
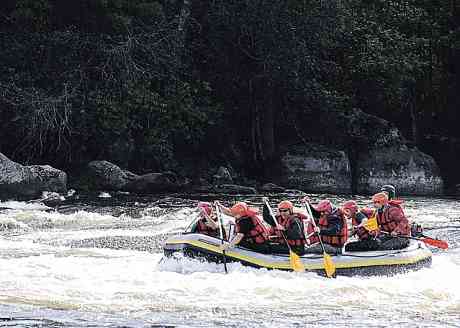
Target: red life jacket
[
  {"x": 287, "y": 224},
  {"x": 362, "y": 232},
  {"x": 258, "y": 234},
  {"x": 278, "y": 233},
  {"x": 310, "y": 228},
  {"x": 388, "y": 224},
  {"x": 204, "y": 229},
  {"x": 342, "y": 236}
]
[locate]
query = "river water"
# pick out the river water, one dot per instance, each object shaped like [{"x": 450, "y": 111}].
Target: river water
[{"x": 97, "y": 262}]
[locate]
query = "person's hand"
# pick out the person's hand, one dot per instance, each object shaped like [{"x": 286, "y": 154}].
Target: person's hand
[
  {"x": 305, "y": 200},
  {"x": 280, "y": 227},
  {"x": 363, "y": 222},
  {"x": 317, "y": 229},
  {"x": 394, "y": 233}
]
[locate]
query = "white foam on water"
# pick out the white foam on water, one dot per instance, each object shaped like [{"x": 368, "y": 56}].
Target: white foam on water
[
  {"x": 23, "y": 205},
  {"x": 38, "y": 269}
]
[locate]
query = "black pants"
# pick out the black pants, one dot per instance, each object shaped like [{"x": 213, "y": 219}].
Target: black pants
[
  {"x": 392, "y": 243},
  {"x": 380, "y": 243},
  {"x": 369, "y": 244},
  {"x": 329, "y": 249}
]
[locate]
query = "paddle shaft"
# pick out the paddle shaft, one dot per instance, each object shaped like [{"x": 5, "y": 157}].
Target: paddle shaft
[
  {"x": 273, "y": 217},
  {"x": 428, "y": 240},
  {"x": 219, "y": 219},
  {"x": 307, "y": 207},
  {"x": 329, "y": 265}
]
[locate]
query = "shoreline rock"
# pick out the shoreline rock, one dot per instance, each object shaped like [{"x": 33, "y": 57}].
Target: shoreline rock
[{"x": 17, "y": 180}]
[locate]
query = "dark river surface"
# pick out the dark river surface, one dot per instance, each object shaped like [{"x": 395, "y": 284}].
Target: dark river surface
[{"x": 97, "y": 262}]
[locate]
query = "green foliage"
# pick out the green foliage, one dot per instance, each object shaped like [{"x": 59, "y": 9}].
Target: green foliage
[
  {"x": 121, "y": 94},
  {"x": 142, "y": 82},
  {"x": 32, "y": 15}
]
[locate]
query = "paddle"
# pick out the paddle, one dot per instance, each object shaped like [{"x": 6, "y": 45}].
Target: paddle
[
  {"x": 294, "y": 259},
  {"x": 219, "y": 219},
  {"x": 329, "y": 265},
  {"x": 427, "y": 240}
]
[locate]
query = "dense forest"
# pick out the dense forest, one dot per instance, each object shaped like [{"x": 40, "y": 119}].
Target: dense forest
[{"x": 174, "y": 84}]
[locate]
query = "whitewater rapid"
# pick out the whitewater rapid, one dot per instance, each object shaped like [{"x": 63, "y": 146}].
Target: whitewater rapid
[{"x": 102, "y": 265}]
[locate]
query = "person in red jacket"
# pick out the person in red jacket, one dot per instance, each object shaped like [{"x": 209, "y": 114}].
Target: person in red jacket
[
  {"x": 207, "y": 223},
  {"x": 390, "y": 190},
  {"x": 367, "y": 240},
  {"x": 290, "y": 227},
  {"x": 332, "y": 228},
  {"x": 392, "y": 223},
  {"x": 250, "y": 231}
]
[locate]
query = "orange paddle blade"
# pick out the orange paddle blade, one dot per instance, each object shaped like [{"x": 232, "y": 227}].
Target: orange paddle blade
[
  {"x": 435, "y": 242},
  {"x": 329, "y": 265},
  {"x": 296, "y": 263}
]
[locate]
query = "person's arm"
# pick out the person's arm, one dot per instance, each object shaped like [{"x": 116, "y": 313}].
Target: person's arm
[
  {"x": 236, "y": 240},
  {"x": 232, "y": 243},
  {"x": 211, "y": 223},
  {"x": 361, "y": 219},
  {"x": 224, "y": 209},
  {"x": 398, "y": 216},
  {"x": 244, "y": 226}
]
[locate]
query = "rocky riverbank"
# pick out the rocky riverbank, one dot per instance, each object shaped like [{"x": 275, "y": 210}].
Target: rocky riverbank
[{"x": 358, "y": 153}]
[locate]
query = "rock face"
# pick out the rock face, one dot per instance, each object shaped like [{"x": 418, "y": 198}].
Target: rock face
[
  {"x": 411, "y": 171},
  {"x": 223, "y": 176},
  {"x": 108, "y": 176},
  {"x": 154, "y": 183},
  {"x": 103, "y": 175},
  {"x": 17, "y": 180},
  {"x": 316, "y": 168}
]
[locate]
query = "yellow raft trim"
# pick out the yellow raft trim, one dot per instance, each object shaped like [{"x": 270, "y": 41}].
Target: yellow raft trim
[{"x": 320, "y": 266}]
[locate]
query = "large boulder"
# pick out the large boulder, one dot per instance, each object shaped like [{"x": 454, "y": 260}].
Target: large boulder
[
  {"x": 272, "y": 188},
  {"x": 17, "y": 180},
  {"x": 103, "y": 175},
  {"x": 408, "y": 169},
  {"x": 316, "y": 168},
  {"x": 155, "y": 183},
  {"x": 222, "y": 176}
]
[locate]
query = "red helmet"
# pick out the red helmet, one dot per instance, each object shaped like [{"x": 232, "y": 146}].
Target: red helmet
[
  {"x": 240, "y": 208},
  {"x": 350, "y": 205},
  {"x": 285, "y": 205},
  {"x": 205, "y": 208},
  {"x": 324, "y": 206},
  {"x": 380, "y": 197}
]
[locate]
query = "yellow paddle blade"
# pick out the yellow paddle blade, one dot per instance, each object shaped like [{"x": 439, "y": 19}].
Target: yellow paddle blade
[
  {"x": 329, "y": 266},
  {"x": 371, "y": 224},
  {"x": 296, "y": 263}
]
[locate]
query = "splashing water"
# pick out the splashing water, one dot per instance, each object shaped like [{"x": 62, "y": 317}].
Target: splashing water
[{"x": 101, "y": 265}]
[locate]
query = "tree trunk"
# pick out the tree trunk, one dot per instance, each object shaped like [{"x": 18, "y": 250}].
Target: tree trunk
[{"x": 262, "y": 125}]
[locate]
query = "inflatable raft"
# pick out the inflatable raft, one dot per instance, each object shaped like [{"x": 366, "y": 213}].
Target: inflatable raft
[{"x": 388, "y": 262}]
